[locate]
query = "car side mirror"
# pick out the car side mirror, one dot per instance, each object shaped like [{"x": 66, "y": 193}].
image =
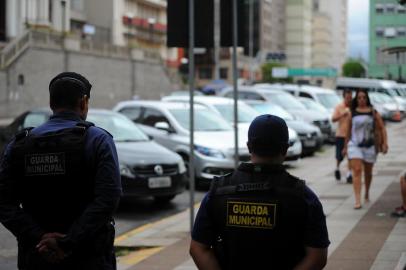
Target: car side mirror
[{"x": 163, "y": 126}]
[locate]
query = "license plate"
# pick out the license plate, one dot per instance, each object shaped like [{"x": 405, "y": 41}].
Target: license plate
[
  {"x": 309, "y": 143},
  {"x": 159, "y": 182}
]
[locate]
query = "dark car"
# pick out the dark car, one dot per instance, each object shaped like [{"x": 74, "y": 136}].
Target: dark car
[{"x": 147, "y": 169}]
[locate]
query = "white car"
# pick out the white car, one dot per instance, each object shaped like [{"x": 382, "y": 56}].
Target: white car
[{"x": 224, "y": 107}]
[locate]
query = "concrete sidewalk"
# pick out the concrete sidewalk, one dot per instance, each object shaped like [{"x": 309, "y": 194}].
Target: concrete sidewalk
[{"x": 360, "y": 239}]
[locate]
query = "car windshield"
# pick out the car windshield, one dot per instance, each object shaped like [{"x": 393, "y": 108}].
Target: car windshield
[
  {"x": 245, "y": 113},
  {"x": 312, "y": 105},
  {"x": 329, "y": 101},
  {"x": 385, "y": 98},
  {"x": 122, "y": 129},
  {"x": 205, "y": 120},
  {"x": 376, "y": 98},
  {"x": 287, "y": 101},
  {"x": 267, "y": 108}
]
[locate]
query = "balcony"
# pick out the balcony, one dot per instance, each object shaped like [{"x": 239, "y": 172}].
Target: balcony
[{"x": 144, "y": 24}]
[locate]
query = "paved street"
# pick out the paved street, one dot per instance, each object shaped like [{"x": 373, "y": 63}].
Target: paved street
[{"x": 364, "y": 239}]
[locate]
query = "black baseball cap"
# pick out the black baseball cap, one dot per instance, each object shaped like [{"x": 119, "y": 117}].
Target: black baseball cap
[
  {"x": 268, "y": 135},
  {"x": 70, "y": 82}
]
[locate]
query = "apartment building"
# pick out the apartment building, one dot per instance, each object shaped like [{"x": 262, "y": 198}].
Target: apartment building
[{"x": 387, "y": 29}]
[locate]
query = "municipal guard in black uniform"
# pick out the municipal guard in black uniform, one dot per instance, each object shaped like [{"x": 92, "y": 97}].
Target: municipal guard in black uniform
[
  {"x": 60, "y": 184},
  {"x": 261, "y": 217}
]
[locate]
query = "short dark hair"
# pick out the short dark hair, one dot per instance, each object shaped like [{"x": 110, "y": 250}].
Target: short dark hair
[
  {"x": 268, "y": 136},
  {"x": 67, "y": 88},
  {"x": 347, "y": 91}
]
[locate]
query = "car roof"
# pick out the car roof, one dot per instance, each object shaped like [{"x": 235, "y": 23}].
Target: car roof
[
  {"x": 154, "y": 103},
  {"x": 201, "y": 99}
]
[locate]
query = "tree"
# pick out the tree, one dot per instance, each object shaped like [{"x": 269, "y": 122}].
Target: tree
[
  {"x": 267, "y": 73},
  {"x": 353, "y": 68}
]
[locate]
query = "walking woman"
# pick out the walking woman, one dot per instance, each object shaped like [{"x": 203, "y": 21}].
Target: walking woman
[{"x": 366, "y": 138}]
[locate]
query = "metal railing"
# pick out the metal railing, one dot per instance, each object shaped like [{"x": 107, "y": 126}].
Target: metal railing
[
  {"x": 10, "y": 52},
  {"x": 54, "y": 40}
]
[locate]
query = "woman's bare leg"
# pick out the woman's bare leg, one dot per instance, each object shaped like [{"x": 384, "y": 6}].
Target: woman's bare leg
[{"x": 356, "y": 167}]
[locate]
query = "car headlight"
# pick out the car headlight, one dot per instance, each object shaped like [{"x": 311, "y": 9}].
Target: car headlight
[
  {"x": 181, "y": 167},
  {"x": 209, "y": 152},
  {"x": 126, "y": 171}
]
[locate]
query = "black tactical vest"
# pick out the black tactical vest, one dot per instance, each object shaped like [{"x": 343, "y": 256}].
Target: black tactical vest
[
  {"x": 260, "y": 218},
  {"x": 53, "y": 179}
]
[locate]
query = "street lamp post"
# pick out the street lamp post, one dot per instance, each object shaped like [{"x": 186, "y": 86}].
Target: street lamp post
[
  {"x": 151, "y": 22},
  {"x": 63, "y": 25}
]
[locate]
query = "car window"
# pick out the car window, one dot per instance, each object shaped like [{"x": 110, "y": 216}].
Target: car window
[
  {"x": 304, "y": 94},
  {"x": 329, "y": 100},
  {"x": 252, "y": 96},
  {"x": 245, "y": 113},
  {"x": 153, "y": 116},
  {"x": 205, "y": 120},
  {"x": 134, "y": 113},
  {"x": 119, "y": 126},
  {"x": 34, "y": 120}
]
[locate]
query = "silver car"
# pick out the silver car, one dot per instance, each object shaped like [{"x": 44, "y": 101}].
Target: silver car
[{"x": 168, "y": 124}]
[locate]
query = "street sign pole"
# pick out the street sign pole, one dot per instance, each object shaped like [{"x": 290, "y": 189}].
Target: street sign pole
[
  {"x": 191, "y": 110},
  {"x": 235, "y": 77}
]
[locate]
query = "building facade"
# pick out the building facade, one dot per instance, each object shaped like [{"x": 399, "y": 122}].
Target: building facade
[
  {"x": 321, "y": 40},
  {"x": 298, "y": 34},
  {"x": 20, "y": 15},
  {"x": 387, "y": 30},
  {"x": 337, "y": 11}
]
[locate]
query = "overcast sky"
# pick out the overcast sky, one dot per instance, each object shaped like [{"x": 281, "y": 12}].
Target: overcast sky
[{"x": 358, "y": 23}]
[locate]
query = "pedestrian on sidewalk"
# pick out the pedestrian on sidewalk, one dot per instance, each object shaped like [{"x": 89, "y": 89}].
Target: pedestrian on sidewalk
[
  {"x": 60, "y": 184},
  {"x": 261, "y": 216},
  {"x": 365, "y": 139},
  {"x": 341, "y": 115},
  {"x": 401, "y": 210}
]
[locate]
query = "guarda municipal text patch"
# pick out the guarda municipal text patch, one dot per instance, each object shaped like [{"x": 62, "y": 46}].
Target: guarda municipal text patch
[
  {"x": 45, "y": 164},
  {"x": 251, "y": 215}
]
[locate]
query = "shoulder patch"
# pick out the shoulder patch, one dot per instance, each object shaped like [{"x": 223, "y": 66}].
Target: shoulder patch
[{"x": 23, "y": 133}]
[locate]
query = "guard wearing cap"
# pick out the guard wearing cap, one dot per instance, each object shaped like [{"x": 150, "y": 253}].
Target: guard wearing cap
[
  {"x": 60, "y": 184},
  {"x": 261, "y": 217}
]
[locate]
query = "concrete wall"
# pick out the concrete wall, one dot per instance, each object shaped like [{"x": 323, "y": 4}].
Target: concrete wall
[{"x": 113, "y": 80}]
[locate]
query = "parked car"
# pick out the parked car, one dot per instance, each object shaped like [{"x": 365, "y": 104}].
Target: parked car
[
  {"x": 168, "y": 123},
  {"x": 309, "y": 134},
  {"x": 373, "y": 85},
  {"x": 224, "y": 107},
  {"x": 146, "y": 168},
  {"x": 286, "y": 101},
  {"x": 386, "y": 106},
  {"x": 326, "y": 97},
  {"x": 311, "y": 104}
]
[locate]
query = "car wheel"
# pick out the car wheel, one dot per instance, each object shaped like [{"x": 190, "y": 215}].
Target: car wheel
[{"x": 164, "y": 199}]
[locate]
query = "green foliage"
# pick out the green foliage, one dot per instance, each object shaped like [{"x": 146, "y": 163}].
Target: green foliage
[
  {"x": 267, "y": 73},
  {"x": 353, "y": 68}
]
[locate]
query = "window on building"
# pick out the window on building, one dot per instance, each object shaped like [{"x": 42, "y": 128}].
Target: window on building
[
  {"x": 401, "y": 31},
  {"x": 379, "y": 31},
  {"x": 224, "y": 73},
  {"x": 379, "y": 9},
  {"x": 205, "y": 73},
  {"x": 390, "y": 8},
  {"x": 401, "y": 9}
]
